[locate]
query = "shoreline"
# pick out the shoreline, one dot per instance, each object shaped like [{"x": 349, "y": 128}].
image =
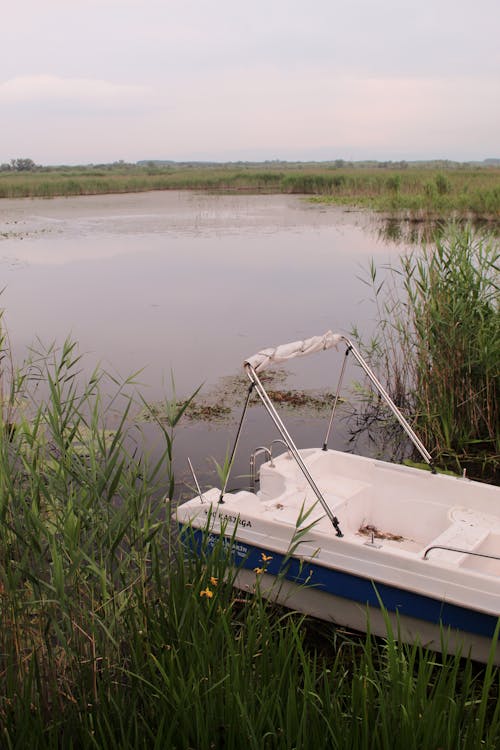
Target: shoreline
[{"x": 414, "y": 193}]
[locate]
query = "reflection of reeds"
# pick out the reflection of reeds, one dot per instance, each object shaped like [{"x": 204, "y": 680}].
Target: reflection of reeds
[
  {"x": 413, "y": 192},
  {"x": 112, "y": 636},
  {"x": 439, "y": 344}
]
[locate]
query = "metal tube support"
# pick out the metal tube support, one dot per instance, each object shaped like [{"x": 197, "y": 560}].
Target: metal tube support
[
  {"x": 337, "y": 396},
  {"x": 253, "y": 457},
  {"x": 291, "y": 445},
  {"x": 236, "y": 441},
  {"x": 202, "y": 499},
  {"x": 278, "y": 441},
  {"x": 392, "y": 406},
  {"x": 460, "y": 551}
]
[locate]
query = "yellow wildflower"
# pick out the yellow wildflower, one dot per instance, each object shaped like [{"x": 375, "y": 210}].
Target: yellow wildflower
[
  {"x": 266, "y": 558},
  {"x": 207, "y": 592},
  {"x": 258, "y": 571},
  {"x": 214, "y": 581}
]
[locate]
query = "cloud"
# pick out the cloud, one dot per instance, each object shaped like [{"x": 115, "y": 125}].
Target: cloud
[
  {"x": 255, "y": 113},
  {"x": 71, "y": 92}
]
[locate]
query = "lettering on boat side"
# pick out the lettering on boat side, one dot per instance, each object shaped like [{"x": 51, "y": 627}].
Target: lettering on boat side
[
  {"x": 230, "y": 518},
  {"x": 241, "y": 550}
]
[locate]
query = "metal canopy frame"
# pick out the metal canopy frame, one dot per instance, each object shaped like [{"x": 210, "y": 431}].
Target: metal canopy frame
[{"x": 255, "y": 383}]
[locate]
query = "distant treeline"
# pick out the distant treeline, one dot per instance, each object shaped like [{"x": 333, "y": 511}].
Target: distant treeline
[
  {"x": 25, "y": 164},
  {"x": 431, "y": 189}
]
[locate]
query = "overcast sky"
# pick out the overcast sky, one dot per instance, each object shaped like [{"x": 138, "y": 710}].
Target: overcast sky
[{"x": 88, "y": 81}]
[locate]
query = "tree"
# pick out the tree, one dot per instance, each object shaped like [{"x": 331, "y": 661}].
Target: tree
[{"x": 23, "y": 165}]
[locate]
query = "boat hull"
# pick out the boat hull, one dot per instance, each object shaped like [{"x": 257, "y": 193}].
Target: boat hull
[
  {"x": 358, "y": 602},
  {"x": 358, "y": 541}
]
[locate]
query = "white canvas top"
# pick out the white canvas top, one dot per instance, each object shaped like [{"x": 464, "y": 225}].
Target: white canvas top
[{"x": 268, "y": 357}]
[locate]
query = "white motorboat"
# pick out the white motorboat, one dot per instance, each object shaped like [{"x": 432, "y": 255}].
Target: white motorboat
[{"x": 356, "y": 540}]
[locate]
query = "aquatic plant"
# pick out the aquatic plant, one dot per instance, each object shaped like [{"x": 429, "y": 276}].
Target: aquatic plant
[
  {"x": 438, "y": 344},
  {"x": 408, "y": 191},
  {"x": 114, "y": 636}
]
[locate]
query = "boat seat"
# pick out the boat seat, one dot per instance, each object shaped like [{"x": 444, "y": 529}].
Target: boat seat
[
  {"x": 345, "y": 487},
  {"x": 289, "y": 513},
  {"x": 464, "y": 534}
]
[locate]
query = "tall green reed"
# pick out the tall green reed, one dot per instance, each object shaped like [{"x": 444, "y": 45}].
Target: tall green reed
[
  {"x": 114, "y": 635},
  {"x": 78, "y": 519},
  {"x": 431, "y": 191},
  {"x": 438, "y": 344},
  {"x": 229, "y": 669}
]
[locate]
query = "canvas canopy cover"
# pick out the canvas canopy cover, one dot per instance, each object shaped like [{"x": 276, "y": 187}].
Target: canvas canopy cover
[{"x": 269, "y": 357}]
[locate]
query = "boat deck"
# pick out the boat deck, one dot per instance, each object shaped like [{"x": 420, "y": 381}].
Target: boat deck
[{"x": 403, "y": 517}]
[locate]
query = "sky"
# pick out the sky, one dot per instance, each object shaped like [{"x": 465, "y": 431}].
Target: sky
[{"x": 91, "y": 81}]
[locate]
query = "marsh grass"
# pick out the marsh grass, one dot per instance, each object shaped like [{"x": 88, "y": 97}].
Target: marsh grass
[
  {"x": 438, "y": 345},
  {"x": 115, "y": 636},
  {"x": 414, "y": 192}
]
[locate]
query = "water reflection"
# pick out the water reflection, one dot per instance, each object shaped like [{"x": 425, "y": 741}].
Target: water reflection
[
  {"x": 186, "y": 283},
  {"x": 420, "y": 231},
  {"x": 182, "y": 282}
]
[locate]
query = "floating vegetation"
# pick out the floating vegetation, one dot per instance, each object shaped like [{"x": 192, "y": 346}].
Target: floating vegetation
[
  {"x": 303, "y": 400},
  {"x": 201, "y": 412},
  {"x": 195, "y": 411},
  {"x": 219, "y": 405}
]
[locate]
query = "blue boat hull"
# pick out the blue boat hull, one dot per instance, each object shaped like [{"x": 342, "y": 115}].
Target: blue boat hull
[{"x": 367, "y": 594}]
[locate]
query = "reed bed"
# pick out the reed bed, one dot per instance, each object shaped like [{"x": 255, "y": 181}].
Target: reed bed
[
  {"x": 438, "y": 345},
  {"x": 415, "y": 191},
  {"x": 114, "y": 636}
]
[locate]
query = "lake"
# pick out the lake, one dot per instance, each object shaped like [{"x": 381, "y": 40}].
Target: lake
[{"x": 189, "y": 284}]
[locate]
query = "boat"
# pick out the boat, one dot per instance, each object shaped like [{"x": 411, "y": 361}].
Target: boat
[{"x": 357, "y": 541}]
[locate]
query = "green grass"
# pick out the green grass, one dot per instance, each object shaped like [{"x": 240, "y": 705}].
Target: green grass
[
  {"x": 415, "y": 191},
  {"x": 425, "y": 194},
  {"x": 438, "y": 345},
  {"x": 113, "y": 637}
]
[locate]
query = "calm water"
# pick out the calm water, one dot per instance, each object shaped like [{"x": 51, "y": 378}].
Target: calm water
[{"x": 185, "y": 283}]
